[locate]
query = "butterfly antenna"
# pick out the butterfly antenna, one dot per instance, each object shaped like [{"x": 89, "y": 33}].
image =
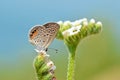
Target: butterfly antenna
[
  {"x": 57, "y": 50},
  {"x": 54, "y": 49}
]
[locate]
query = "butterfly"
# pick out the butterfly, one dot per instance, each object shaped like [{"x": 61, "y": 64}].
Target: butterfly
[{"x": 42, "y": 35}]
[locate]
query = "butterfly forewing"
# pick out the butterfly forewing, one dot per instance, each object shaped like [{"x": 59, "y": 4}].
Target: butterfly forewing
[{"x": 35, "y": 35}]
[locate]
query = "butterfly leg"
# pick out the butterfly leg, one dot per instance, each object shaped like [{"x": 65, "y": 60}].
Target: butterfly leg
[{"x": 39, "y": 49}]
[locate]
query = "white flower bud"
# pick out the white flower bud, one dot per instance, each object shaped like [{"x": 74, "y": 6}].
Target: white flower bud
[
  {"x": 60, "y": 22},
  {"x": 92, "y": 21},
  {"x": 99, "y": 23},
  {"x": 67, "y": 23}
]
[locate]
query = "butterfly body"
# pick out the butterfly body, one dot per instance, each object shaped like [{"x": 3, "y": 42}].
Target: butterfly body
[{"x": 42, "y": 35}]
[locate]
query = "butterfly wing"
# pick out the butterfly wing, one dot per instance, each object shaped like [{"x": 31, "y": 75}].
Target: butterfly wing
[
  {"x": 51, "y": 30},
  {"x": 42, "y": 36},
  {"x": 36, "y": 36}
]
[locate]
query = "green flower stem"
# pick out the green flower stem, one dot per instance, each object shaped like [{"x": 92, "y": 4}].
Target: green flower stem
[
  {"x": 71, "y": 60},
  {"x": 71, "y": 66},
  {"x": 72, "y": 33}
]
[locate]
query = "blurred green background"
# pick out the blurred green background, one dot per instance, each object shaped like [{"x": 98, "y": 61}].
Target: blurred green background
[{"x": 97, "y": 58}]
